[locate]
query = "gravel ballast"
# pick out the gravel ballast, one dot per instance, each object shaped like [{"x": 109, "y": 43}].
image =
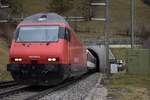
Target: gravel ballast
[{"x": 77, "y": 91}]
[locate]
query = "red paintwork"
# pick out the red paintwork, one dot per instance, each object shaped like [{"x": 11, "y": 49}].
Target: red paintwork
[
  {"x": 72, "y": 52},
  {"x": 39, "y": 51},
  {"x": 77, "y": 50}
]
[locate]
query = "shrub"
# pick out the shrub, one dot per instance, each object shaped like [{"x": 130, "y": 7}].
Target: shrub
[
  {"x": 60, "y": 6},
  {"x": 16, "y": 6}
]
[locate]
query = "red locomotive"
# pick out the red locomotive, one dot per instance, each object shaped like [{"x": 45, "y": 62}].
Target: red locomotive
[{"x": 45, "y": 50}]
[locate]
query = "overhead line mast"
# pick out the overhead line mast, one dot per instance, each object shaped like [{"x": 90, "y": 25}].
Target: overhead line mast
[
  {"x": 133, "y": 10},
  {"x": 107, "y": 36},
  {"x": 106, "y": 31}
]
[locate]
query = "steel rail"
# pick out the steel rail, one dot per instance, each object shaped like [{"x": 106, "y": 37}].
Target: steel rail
[
  {"x": 12, "y": 91},
  {"x": 2, "y": 82},
  {"x": 7, "y": 84}
]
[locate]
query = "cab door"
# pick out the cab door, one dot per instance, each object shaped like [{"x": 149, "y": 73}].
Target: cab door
[{"x": 68, "y": 39}]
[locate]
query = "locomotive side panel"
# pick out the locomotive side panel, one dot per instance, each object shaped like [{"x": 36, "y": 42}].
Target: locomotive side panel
[{"x": 77, "y": 55}]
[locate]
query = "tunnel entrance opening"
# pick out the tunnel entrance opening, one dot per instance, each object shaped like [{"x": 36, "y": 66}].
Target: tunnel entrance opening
[{"x": 97, "y": 59}]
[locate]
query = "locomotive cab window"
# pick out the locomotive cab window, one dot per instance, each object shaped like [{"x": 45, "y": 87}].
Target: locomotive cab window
[
  {"x": 67, "y": 34},
  {"x": 37, "y": 34}
]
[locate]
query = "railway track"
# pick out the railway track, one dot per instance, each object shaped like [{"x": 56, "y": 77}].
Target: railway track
[
  {"x": 35, "y": 93},
  {"x": 61, "y": 86},
  {"x": 11, "y": 90},
  {"x": 6, "y": 84}
]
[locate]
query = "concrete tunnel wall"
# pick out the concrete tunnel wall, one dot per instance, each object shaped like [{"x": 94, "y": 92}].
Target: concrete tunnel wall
[{"x": 100, "y": 50}]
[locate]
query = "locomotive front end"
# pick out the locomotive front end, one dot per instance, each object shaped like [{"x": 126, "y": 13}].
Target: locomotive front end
[{"x": 38, "y": 54}]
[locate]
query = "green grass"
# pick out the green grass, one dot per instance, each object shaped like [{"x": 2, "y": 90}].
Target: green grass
[
  {"x": 88, "y": 36},
  {"x": 4, "y": 75},
  {"x": 129, "y": 87},
  {"x": 125, "y": 79},
  {"x": 120, "y": 53},
  {"x": 34, "y": 6},
  {"x": 119, "y": 17},
  {"x": 124, "y": 86}
]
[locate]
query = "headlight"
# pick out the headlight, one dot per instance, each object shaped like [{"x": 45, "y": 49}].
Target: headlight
[
  {"x": 52, "y": 59},
  {"x": 18, "y": 59}
]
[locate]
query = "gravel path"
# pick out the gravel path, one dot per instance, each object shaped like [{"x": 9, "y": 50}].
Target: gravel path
[
  {"x": 77, "y": 91},
  {"x": 99, "y": 92}
]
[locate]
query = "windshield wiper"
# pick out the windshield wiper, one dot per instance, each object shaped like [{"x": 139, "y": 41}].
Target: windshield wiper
[{"x": 48, "y": 43}]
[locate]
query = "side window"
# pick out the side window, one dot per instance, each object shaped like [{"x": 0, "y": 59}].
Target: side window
[
  {"x": 16, "y": 33},
  {"x": 67, "y": 34}
]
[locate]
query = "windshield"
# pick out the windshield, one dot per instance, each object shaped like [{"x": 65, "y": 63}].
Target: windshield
[{"x": 38, "y": 34}]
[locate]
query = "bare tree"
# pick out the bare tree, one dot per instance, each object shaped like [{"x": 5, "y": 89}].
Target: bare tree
[
  {"x": 16, "y": 6},
  {"x": 60, "y": 6}
]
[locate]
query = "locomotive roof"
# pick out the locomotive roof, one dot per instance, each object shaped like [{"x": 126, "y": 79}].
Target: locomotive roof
[{"x": 45, "y": 17}]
